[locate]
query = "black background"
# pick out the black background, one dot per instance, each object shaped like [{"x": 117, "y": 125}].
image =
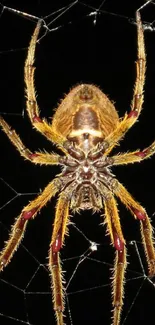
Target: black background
[{"x": 79, "y": 51}]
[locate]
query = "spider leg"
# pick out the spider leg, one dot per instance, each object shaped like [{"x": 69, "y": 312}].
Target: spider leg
[
  {"x": 146, "y": 228},
  {"x": 30, "y": 211},
  {"x": 32, "y": 107},
  {"x": 114, "y": 229},
  {"x": 59, "y": 231},
  {"x": 136, "y": 105},
  {"x": 135, "y": 156},
  {"x": 36, "y": 157}
]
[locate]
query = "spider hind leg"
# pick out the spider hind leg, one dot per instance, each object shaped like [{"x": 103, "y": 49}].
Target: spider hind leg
[
  {"x": 59, "y": 231},
  {"x": 145, "y": 225},
  {"x": 120, "y": 264}
]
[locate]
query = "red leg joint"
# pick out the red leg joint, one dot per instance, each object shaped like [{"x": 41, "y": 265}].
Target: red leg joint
[
  {"x": 33, "y": 155},
  {"x": 141, "y": 215},
  {"x": 37, "y": 119},
  {"x": 118, "y": 243},
  {"x": 133, "y": 114},
  {"x": 56, "y": 246},
  {"x": 29, "y": 214},
  {"x": 140, "y": 154}
]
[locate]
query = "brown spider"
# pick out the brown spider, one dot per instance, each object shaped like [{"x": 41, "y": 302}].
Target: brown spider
[{"x": 86, "y": 127}]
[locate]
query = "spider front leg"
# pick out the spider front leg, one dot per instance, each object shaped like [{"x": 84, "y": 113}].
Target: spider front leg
[
  {"x": 115, "y": 232},
  {"x": 59, "y": 231},
  {"x": 32, "y": 107},
  {"x": 136, "y": 106},
  {"x": 146, "y": 229},
  {"x": 30, "y": 211},
  {"x": 36, "y": 157}
]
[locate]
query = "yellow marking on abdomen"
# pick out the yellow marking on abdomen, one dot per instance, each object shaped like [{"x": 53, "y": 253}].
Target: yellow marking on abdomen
[{"x": 93, "y": 132}]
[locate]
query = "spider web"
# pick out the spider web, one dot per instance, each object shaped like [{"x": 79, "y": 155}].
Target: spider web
[{"x": 82, "y": 41}]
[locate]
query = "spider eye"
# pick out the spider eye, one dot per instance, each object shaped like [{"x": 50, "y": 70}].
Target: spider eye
[{"x": 86, "y": 93}]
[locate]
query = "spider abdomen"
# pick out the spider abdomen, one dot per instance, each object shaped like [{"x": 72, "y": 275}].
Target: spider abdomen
[
  {"x": 86, "y": 118},
  {"x": 85, "y": 108}
]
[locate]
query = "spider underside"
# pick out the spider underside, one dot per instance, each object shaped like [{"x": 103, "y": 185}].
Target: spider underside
[
  {"x": 85, "y": 127},
  {"x": 87, "y": 178}
]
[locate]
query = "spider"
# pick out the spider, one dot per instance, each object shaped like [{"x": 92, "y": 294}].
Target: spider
[{"x": 85, "y": 127}]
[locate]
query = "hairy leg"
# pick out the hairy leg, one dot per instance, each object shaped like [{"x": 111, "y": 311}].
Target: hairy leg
[
  {"x": 30, "y": 211},
  {"x": 114, "y": 229},
  {"x": 57, "y": 241},
  {"x": 136, "y": 106},
  {"x": 32, "y": 107},
  {"x": 36, "y": 157},
  {"x": 135, "y": 156},
  {"x": 146, "y": 228}
]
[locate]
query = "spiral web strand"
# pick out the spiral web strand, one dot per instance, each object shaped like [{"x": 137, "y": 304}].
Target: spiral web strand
[{"x": 87, "y": 256}]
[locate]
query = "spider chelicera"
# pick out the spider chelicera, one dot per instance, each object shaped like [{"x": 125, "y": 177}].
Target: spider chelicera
[{"x": 86, "y": 127}]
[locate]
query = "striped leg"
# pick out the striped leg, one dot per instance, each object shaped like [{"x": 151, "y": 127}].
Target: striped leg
[
  {"x": 145, "y": 225},
  {"x": 30, "y": 211},
  {"x": 32, "y": 107},
  {"x": 136, "y": 105},
  {"x": 114, "y": 229},
  {"x": 57, "y": 241}
]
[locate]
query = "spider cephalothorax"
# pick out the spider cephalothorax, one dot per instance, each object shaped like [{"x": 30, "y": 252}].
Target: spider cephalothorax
[{"x": 85, "y": 127}]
